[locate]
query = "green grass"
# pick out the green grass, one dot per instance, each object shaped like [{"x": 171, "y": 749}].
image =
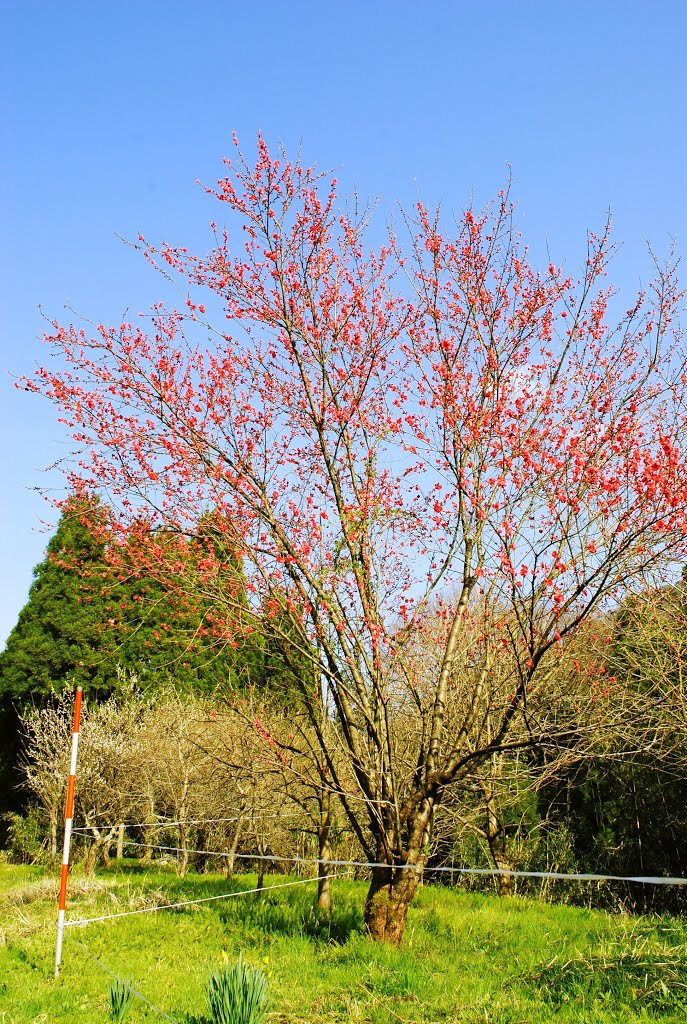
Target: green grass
[{"x": 466, "y": 958}]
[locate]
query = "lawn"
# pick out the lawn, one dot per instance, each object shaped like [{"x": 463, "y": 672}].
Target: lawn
[{"x": 466, "y": 958}]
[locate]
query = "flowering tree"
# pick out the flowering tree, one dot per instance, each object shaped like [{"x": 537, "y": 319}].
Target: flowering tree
[{"x": 432, "y": 428}]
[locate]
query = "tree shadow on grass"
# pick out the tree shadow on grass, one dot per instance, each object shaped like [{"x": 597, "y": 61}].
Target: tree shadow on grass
[{"x": 292, "y": 913}]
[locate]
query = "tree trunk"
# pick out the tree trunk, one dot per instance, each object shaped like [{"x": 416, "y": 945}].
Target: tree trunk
[
  {"x": 324, "y": 896},
  {"x": 182, "y": 862},
  {"x": 200, "y": 862},
  {"x": 91, "y": 858},
  {"x": 149, "y": 836},
  {"x": 389, "y": 896},
  {"x": 262, "y": 866},
  {"x": 231, "y": 852},
  {"x": 100, "y": 847},
  {"x": 497, "y": 840},
  {"x": 505, "y": 866},
  {"x": 120, "y": 842}
]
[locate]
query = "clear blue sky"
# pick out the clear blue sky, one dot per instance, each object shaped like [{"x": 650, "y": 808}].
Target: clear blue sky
[{"x": 111, "y": 110}]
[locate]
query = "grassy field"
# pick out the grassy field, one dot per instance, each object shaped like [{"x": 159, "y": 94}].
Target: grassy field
[{"x": 466, "y": 959}]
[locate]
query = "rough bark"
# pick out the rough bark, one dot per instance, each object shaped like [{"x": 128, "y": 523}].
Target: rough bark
[
  {"x": 100, "y": 847},
  {"x": 182, "y": 860},
  {"x": 389, "y": 896},
  {"x": 149, "y": 835}
]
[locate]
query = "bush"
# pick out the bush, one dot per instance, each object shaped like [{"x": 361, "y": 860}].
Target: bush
[{"x": 26, "y": 836}]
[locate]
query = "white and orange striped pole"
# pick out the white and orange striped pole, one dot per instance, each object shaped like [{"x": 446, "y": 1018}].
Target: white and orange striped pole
[{"x": 68, "y": 816}]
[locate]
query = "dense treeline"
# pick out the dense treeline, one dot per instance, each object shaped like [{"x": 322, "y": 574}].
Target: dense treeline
[{"x": 90, "y": 620}]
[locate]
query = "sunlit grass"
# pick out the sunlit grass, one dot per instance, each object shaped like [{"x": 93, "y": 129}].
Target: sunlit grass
[{"x": 466, "y": 958}]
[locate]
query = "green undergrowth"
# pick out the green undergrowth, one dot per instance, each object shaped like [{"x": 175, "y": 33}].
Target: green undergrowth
[{"x": 466, "y": 958}]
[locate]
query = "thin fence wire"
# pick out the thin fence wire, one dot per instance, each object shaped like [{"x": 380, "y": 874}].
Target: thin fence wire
[
  {"x": 123, "y": 981},
  {"x": 85, "y": 829},
  {"x": 573, "y": 876},
  {"x": 188, "y": 903}
]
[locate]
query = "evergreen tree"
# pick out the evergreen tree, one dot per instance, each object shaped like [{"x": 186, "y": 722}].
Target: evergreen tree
[
  {"x": 89, "y": 615},
  {"x": 57, "y": 640}
]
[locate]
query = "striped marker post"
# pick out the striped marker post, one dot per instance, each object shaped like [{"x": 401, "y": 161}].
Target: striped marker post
[{"x": 68, "y": 816}]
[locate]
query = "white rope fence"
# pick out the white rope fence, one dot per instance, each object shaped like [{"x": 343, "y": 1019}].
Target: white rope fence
[
  {"x": 272, "y": 858},
  {"x": 572, "y": 876},
  {"x": 169, "y": 906},
  {"x": 88, "y": 829},
  {"x": 187, "y": 903}
]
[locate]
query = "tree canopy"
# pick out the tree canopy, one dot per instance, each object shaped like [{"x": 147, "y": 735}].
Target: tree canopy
[{"x": 427, "y": 435}]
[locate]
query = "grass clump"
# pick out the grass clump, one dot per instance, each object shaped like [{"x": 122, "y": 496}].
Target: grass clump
[
  {"x": 120, "y": 1000},
  {"x": 631, "y": 972},
  {"x": 236, "y": 995}
]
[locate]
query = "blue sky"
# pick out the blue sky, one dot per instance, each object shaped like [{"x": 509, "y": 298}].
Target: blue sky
[{"x": 111, "y": 111}]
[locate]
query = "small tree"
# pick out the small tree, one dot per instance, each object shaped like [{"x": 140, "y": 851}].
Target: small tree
[
  {"x": 44, "y": 760},
  {"x": 375, "y": 428},
  {"x": 112, "y": 741}
]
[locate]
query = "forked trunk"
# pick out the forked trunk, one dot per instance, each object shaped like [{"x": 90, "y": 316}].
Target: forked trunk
[
  {"x": 389, "y": 896},
  {"x": 100, "y": 847}
]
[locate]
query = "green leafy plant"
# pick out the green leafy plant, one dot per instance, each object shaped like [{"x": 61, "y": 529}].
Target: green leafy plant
[
  {"x": 120, "y": 1000},
  {"x": 237, "y": 994}
]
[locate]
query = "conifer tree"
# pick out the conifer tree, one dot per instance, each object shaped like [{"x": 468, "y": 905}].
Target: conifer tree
[{"x": 57, "y": 640}]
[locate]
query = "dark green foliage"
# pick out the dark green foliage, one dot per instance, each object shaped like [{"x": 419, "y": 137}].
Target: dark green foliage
[
  {"x": 58, "y": 638},
  {"x": 25, "y": 835},
  {"x": 629, "y": 814},
  {"x": 630, "y": 818},
  {"x": 57, "y": 641},
  {"x": 290, "y": 672},
  {"x": 87, "y": 615}
]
